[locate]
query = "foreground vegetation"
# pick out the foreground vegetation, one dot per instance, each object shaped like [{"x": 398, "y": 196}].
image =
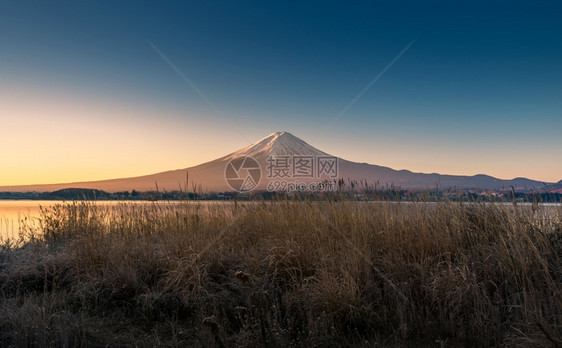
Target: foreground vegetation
[{"x": 285, "y": 273}]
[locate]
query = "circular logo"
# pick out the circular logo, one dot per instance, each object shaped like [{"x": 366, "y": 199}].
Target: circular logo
[{"x": 242, "y": 173}]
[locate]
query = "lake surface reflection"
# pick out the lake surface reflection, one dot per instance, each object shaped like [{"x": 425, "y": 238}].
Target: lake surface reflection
[
  {"x": 15, "y": 214},
  {"x": 18, "y": 213}
]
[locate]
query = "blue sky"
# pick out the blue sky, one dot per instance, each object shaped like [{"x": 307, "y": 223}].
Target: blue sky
[{"x": 480, "y": 90}]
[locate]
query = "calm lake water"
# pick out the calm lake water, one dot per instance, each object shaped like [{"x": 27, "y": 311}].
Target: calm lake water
[
  {"x": 12, "y": 212},
  {"x": 16, "y": 213}
]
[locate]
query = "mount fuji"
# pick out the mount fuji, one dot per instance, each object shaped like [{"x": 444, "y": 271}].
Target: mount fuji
[{"x": 210, "y": 176}]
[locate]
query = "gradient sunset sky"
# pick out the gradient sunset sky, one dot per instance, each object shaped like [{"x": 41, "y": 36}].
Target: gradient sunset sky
[{"x": 84, "y": 95}]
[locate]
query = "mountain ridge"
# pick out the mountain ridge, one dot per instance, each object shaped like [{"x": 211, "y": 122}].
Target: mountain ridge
[{"x": 210, "y": 176}]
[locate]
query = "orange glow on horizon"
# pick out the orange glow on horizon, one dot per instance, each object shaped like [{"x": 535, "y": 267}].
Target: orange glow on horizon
[
  {"x": 54, "y": 138},
  {"x": 57, "y": 137}
]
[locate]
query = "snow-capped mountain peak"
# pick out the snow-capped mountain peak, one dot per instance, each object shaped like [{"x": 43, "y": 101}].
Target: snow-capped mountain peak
[
  {"x": 211, "y": 176},
  {"x": 278, "y": 144}
]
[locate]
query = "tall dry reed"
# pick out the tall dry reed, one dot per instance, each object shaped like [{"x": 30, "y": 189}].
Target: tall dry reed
[{"x": 286, "y": 273}]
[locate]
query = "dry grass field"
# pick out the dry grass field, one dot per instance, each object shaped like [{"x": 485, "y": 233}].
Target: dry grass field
[{"x": 285, "y": 273}]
